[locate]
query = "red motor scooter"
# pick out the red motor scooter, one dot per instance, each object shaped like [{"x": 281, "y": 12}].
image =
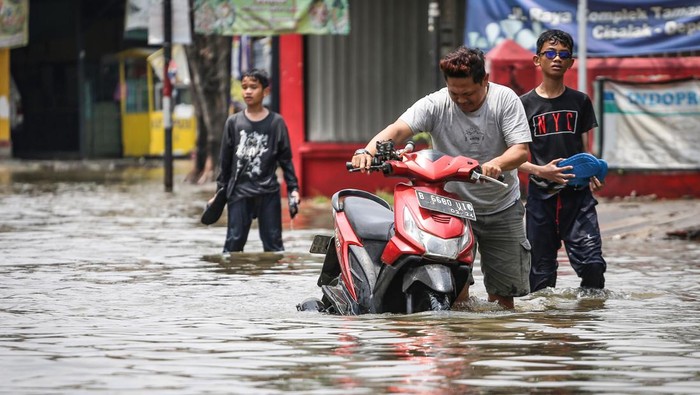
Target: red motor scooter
[{"x": 412, "y": 257}]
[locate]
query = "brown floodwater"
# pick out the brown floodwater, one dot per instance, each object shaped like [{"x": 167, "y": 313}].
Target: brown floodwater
[{"x": 111, "y": 285}]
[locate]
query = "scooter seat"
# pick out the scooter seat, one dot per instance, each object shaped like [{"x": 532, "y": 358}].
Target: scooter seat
[{"x": 369, "y": 219}]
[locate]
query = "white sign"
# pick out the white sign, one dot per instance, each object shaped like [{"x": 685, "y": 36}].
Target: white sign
[
  {"x": 652, "y": 125},
  {"x": 180, "y": 22}
]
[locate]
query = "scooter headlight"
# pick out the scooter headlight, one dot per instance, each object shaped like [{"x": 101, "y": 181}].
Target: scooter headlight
[
  {"x": 435, "y": 246},
  {"x": 410, "y": 226},
  {"x": 466, "y": 237}
]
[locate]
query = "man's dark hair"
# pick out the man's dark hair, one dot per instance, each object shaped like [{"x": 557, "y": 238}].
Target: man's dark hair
[
  {"x": 258, "y": 75},
  {"x": 555, "y": 36},
  {"x": 464, "y": 62}
]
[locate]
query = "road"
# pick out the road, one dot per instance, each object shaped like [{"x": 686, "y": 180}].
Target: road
[{"x": 646, "y": 217}]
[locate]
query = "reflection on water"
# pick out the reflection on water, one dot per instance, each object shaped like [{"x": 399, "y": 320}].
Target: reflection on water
[{"x": 110, "y": 285}]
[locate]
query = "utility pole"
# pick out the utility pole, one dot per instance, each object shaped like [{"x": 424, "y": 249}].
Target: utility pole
[
  {"x": 167, "y": 95},
  {"x": 582, "y": 19}
]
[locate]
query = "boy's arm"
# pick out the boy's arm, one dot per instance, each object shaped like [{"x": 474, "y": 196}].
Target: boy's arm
[
  {"x": 595, "y": 184},
  {"x": 225, "y": 157},
  {"x": 586, "y": 145},
  {"x": 284, "y": 158},
  {"x": 550, "y": 171}
]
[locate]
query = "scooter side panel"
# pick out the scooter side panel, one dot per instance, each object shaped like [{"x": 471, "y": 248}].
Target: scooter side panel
[
  {"x": 364, "y": 277},
  {"x": 345, "y": 237},
  {"x": 398, "y": 247}
]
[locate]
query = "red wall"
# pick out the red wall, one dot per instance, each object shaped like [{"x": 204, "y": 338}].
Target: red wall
[
  {"x": 291, "y": 58},
  {"x": 323, "y": 165}
]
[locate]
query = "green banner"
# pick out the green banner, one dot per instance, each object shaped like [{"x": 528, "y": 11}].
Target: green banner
[
  {"x": 14, "y": 23},
  {"x": 271, "y": 17}
]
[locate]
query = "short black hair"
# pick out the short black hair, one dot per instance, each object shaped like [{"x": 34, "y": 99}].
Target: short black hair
[
  {"x": 464, "y": 62},
  {"x": 555, "y": 36},
  {"x": 259, "y": 75}
]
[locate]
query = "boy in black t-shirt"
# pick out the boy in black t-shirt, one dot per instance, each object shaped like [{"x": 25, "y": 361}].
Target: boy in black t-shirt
[
  {"x": 560, "y": 119},
  {"x": 254, "y": 143}
]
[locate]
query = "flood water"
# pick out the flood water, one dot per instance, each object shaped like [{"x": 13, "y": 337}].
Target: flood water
[{"x": 109, "y": 285}]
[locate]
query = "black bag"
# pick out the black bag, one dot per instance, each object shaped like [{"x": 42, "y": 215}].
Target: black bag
[{"x": 213, "y": 211}]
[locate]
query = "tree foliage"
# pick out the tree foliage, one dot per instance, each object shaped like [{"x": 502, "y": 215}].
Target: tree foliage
[{"x": 209, "y": 59}]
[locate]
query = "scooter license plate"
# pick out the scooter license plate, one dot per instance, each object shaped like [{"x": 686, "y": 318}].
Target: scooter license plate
[{"x": 445, "y": 205}]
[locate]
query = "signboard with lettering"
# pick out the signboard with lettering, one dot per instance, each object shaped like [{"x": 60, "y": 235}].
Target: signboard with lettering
[
  {"x": 271, "y": 17},
  {"x": 614, "y": 27},
  {"x": 651, "y": 125}
]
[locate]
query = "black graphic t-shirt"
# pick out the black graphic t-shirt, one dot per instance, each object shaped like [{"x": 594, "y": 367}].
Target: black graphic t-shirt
[
  {"x": 251, "y": 153},
  {"x": 557, "y": 124}
]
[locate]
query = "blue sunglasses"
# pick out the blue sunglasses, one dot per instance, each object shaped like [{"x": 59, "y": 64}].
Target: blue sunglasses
[{"x": 551, "y": 54}]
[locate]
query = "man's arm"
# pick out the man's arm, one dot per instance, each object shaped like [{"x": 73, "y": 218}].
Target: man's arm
[
  {"x": 398, "y": 131},
  {"x": 511, "y": 158}
]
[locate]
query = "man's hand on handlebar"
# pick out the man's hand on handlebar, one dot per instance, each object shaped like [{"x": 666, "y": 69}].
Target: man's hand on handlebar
[
  {"x": 362, "y": 159},
  {"x": 491, "y": 169},
  {"x": 366, "y": 161}
]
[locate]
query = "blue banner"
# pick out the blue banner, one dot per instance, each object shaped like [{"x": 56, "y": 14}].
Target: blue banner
[{"x": 614, "y": 28}]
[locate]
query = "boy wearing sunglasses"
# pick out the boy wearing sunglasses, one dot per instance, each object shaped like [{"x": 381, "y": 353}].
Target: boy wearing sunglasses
[{"x": 560, "y": 119}]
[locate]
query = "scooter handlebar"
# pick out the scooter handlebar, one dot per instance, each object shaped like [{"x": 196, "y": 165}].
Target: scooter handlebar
[
  {"x": 477, "y": 176},
  {"x": 351, "y": 169},
  {"x": 385, "y": 152}
]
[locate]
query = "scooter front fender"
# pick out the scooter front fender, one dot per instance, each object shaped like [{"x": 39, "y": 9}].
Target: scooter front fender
[{"x": 435, "y": 276}]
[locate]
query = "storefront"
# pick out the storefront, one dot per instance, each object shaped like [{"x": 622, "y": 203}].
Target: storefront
[{"x": 140, "y": 105}]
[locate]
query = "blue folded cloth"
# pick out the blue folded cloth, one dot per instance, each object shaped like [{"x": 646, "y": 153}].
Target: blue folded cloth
[{"x": 585, "y": 166}]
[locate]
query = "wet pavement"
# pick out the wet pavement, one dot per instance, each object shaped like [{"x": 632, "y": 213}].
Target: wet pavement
[{"x": 111, "y": 285}]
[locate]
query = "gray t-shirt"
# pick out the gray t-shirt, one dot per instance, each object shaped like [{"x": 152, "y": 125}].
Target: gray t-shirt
[{"x": 481, "y": 135}]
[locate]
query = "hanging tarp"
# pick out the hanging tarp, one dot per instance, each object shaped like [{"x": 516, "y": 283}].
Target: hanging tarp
[
  {"x": 613, "y": 28},
  {"x": 651, "y": 125},
  {"x": 136, "y": 19},
  {"x": 14, "y": 23},
  {"x": 180, "y": 22},
  {"x": 271, "y": 17},
  {"x": 178, "y": 69}
]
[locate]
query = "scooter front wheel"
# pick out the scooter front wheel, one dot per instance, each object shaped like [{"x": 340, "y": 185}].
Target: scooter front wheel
[{"x": 421, "y": 298}]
